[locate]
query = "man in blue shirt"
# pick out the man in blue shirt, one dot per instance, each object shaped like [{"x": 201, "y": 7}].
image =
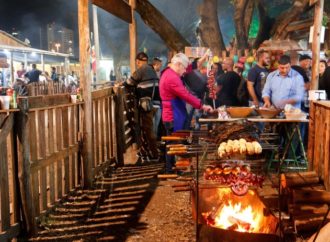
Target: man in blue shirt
[{"x": 283, "y": 86}]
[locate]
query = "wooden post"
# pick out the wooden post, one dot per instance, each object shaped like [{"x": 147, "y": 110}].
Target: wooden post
[
  {"x": 132, "y": 37},
  {"x": 96, "y": 42},
  {"x": 22, "y": 131},
  {"x": 318, "y": 15},
  {"x": 120, "y": 130},
  {"x": 85, "y": 84}
]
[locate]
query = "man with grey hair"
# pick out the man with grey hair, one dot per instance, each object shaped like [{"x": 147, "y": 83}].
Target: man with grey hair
[{"x": 174, "y": 96}]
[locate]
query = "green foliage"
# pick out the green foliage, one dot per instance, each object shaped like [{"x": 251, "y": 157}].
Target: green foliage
[
  {"x": 325, "y": 20},
  {"x": 254, "y": 27}
]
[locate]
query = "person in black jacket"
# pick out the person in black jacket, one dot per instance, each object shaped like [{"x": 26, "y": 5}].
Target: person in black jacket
[{"x": 146, "y": 81}]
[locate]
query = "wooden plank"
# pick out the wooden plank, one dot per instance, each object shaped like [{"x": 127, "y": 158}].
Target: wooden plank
[
  {"x": 49, "y": 100},
  {"x": 35, "y": 192},
  {"x": 326, "y": 146},
  {"x": 318, "y": 129},
  {"x": 65, "y": 130},
  {"x": 299, "y": 25},
  {"x": 73, "y": 134},
  {"x": 6, "y": 127},
  {"x": 311, "y": 136},
  {"x": 118, "y": 8},
  {"x": 59, "y": 132},
  {"x": 102, "y": 93},
  {"x": 119, "y": 108},
  {"x": 102, "y": 129},
  {"x": 59, "y": 155},
  {"x": 4, "y": 187},
  {"x": 96, "y": 133},
  {"x": 14, "y": 187},
  {"x": 33, "y": 136},
  {"x": 42, "y": 154},
  {"x": 111, "y": 125},
  {"x": 107, "y": 127},
  {"x": 132, "y": 36},
  {"x": 51, "y": 149}
]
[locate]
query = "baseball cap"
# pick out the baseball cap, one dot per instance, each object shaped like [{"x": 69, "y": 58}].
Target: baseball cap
[
  {"x": 304, "y": 57},
  {"x": 142, "y": 56}
]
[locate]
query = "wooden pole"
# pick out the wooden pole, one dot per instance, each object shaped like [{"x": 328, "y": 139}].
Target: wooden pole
[
  {"x": 96, "y": 42},
  {"x": 318, "y": 15},
  {"x": 132, "y": 37},
  {"x": 85, "y": 84}
]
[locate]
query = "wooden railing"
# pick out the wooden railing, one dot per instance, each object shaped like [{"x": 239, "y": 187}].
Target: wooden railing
[
  {"x": 48, "y": 88},
  {"x": 104, "y": 128},
  {"x": 9, "y": 200},
  {"x": 41, "y": 152},
  {"x": 319, "y": 140}
]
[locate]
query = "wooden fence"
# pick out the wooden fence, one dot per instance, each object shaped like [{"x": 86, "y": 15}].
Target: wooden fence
[
  {"x": 9, "y": 197},
  {"x": 319, "y": 140},
  {"x": 41, "y": 152},
  {"x": 47, "y": 88}
]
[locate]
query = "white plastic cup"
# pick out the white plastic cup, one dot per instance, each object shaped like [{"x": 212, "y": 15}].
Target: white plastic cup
[
  {"x": 5, "y": 102},
  {"x": 74, "y": 98}
]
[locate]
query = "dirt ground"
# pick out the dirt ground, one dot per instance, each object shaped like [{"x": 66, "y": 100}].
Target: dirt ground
[{"x": 127, "y": 204}]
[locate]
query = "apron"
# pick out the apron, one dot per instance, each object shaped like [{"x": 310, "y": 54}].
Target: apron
[{"x": 179, "y": 113}]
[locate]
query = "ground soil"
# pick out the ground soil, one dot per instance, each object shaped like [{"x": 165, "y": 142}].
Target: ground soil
[{"x": 126, "y": 204}]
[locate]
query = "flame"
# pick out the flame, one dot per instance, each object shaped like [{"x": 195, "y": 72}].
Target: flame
[{"x": 234, "y": 215}]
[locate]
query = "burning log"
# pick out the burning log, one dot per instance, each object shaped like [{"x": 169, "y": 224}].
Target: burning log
[
  {"x": 239, "y": 223},
  {"x": 299, "y": 179}
]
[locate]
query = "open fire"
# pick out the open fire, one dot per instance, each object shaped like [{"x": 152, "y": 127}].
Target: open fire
[{"x": 240, "y": 213}]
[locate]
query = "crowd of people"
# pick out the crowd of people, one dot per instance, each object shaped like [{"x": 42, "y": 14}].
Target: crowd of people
[
  {"x": 171, "y": 98},
  {"x": 24, "y": 76}
]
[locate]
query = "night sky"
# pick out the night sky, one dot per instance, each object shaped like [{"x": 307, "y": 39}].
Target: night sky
[{"x": 28, "y": 16}]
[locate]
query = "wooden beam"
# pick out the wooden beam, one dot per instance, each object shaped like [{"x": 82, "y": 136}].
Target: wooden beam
[
  {"x": 85, "y": 82},
  {"x": 318, "y": 15},
  {"x": 299, "y": 25},
  {"x": 119, "y": 8},
  {"x": 132, "y": 37}
]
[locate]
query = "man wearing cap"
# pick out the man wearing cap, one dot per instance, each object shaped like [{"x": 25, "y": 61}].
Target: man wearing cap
[
  {"x": 146, "y": 82},
  {"x": 174, "y": 96}
]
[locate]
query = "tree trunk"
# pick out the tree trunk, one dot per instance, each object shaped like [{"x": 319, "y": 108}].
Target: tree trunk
[
  {"x": 209, "y": 28},
  {"x": 265, "y": 25},
  {"x": 279, "y": 29},
  {"x": 248, "y": 16},
  {"x": 155, "y": 20},
  {"x": 242, "y": 17}
]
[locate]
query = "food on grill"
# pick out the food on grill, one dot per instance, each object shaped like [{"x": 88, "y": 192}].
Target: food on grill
[
  {"x": 211, "y": 85},
  {"x": 237, "y": 177},
  {"x": 240, "y": 146},
  {"x": 233, "y": 131}
]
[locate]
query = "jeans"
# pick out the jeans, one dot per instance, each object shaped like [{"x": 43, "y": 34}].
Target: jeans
[
  {"x": 148, "y": 138},
  {"x": 156, "y": 121},
  {"x": 170, "y": 159}
]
